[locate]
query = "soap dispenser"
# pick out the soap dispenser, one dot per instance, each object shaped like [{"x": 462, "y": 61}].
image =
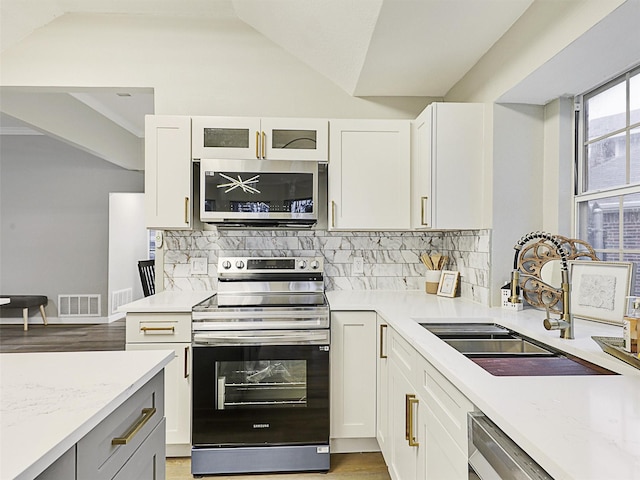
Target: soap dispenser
[{"x": 631, "y": 327}]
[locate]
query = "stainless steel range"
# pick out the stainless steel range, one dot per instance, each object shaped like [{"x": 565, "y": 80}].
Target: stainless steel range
[{"x": 261, "y": 369}]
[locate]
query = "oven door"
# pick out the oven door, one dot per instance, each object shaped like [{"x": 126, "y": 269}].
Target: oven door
[
  {"x": 249, "y": 391},
  {"x": 270, "y": 191}
]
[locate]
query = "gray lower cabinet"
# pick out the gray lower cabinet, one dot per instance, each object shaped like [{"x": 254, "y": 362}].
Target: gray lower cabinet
[
  {"x": 128, "y": 444},
  {"x": 148, "y": 461}
]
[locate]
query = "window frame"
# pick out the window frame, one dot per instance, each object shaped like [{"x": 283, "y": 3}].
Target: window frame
[{"x": 581, "y": 196}]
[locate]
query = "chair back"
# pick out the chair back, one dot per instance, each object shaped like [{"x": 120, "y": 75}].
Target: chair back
[{"x": 147, "y": 271}]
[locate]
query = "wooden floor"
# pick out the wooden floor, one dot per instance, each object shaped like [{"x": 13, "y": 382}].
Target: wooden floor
[
  {"x": 344, "y": 466},
  {"x": 62, "y": 338},
  {"x": 77, "y": 338}
]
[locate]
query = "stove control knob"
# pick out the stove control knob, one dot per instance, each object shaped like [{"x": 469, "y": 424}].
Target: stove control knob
[
  {"x": 226, "y": 264},
  {"x": 302, "y": 264},
  {"x": 239, "y": 264},
  {"x": 315, "y": 264}
]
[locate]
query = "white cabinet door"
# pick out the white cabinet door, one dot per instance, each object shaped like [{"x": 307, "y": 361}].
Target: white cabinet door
[
  {"x": 447, "y": 164},
  {"x": 167, "y": 178},
  {"x": 382, "y": 391},
  {"x": 226, "y": 137},
  {"x": 295, "y": 139},
  {"x": 250, "y": 138},
  {"x": 369, "y": 174},
  {"x": 443, "y": 458},
  {"x": 177, "y": 390},
  {"x": 404, "y": 457},
  {"x": 353, "y": 374}
]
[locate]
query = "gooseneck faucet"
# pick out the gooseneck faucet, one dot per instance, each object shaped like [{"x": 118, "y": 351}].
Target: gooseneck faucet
[{"x": 565, "y": 323}]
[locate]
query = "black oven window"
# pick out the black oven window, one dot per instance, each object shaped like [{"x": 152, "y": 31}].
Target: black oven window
[{"x": 261, "y": 384}]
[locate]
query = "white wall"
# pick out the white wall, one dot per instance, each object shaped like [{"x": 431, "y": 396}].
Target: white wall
[
  {"x": 530, "y": 155},
  {"x": 558, "y": 167},
  {"x": 128, "y": 243},
  {"x": 195, "y": 66},
  {"x": 517, "y": 183}
]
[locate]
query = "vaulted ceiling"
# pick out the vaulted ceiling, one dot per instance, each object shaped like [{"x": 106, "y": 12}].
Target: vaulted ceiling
[{"x": 367, "y": 47}]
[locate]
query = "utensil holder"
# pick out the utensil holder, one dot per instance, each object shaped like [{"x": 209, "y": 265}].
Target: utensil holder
[{"x": 433, "y": 279}]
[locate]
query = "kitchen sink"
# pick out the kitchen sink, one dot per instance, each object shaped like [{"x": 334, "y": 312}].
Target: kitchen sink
[
  {"x": 503, "y": 352},
  {"x": 498, "y": 346}
]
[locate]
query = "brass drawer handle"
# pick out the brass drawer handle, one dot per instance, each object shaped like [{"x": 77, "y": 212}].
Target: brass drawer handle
[
  {"x": 186, "y": 362},
  {"x": 264, "y": 144},
  {"x": 147, "y": 413},
  {"x": 422, "y": 222},
  {"x": 257, "y": 144},
  {"x": 172, "y": 329},
  {"x": 412, "y": 435},
  {"x": 407, "y": 397},
  {"x": 333, "y": 214},
  {"x": 383, "y": 327}
]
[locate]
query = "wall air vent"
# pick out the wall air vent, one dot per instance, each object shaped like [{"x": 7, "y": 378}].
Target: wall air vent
[
  {"x": 119, "y": 298},
  {"x": 83, "y": 305}
]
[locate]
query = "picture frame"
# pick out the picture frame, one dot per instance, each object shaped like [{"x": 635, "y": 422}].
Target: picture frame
[
  {"x": 599, "y": 290},
  {"x": 448, "y": 285}
]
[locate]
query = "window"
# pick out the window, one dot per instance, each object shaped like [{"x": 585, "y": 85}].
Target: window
[{"x": 607, "y": 200}]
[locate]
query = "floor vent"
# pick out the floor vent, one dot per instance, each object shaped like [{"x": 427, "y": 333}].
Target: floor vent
[
  {"x": 120, "y": 297},
  {"x": 85, "y": 305}
]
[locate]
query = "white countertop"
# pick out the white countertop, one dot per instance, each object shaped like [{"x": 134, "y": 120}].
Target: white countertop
[
  {"x": 167, "y": 301},
  {"x": 579, "y": 427},
  {"x": 49, "y": 401}
]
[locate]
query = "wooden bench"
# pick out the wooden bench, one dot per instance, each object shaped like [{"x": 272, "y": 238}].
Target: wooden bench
[{"x": 25, "y": 302}]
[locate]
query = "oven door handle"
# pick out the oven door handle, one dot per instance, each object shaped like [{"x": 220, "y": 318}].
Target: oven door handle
[{"x": 315, "y": 337}]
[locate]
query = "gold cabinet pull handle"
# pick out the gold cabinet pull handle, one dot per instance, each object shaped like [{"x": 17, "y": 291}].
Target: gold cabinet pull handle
[
  {"x": 407, "y": 397},
  {"x": 422, "y": 201},
  {"x": 264, "y": 143},
  {"x": 158, "y": 329},
  {"x": 412, "y": 435},
  {"x": 186, "y": 362},
  {"x": 146, "y": 415},
  {"x": 383, "y": 327},
  {"x": 333, "y": 214},
  {"x": 257, "y": 144},
  {"x": 186, "y": 210}
]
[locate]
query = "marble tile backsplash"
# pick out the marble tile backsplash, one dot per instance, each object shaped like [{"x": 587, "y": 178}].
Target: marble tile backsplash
[{"x": 391, "y": 259}]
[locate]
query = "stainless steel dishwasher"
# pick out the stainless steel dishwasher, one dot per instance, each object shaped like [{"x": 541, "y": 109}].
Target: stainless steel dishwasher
[{"x": 494, "y": 456}]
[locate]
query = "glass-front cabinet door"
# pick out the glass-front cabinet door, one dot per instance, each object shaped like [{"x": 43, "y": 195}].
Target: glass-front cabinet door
[
  {"x": 254, "y": 138},
  {"x": 225, "y": 137},
  {"x": 295, "y": 139}
]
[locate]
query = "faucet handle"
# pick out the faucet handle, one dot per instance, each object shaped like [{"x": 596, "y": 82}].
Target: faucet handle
[{"x": 558, "y": 324}]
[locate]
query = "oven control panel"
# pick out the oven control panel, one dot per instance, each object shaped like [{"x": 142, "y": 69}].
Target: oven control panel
[{"x": 270, "y": 264}]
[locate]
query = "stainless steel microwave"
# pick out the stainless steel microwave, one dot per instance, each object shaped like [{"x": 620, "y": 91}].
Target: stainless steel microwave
[{"x": 259, "y": 192}]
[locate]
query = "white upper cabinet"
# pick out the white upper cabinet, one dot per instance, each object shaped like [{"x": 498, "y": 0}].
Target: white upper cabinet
[
  {"x": 266, "y": 138},
  {"x": 167, "y": 179},
  {"x": 369, "y": 175},
  {"x": 447, "y": 167},
  {"x": 295, "y": 139}
]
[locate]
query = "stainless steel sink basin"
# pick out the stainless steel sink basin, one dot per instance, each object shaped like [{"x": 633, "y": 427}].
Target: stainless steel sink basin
[
  {"x": 468, "y": 330},
  {"x": 503, "y": 352},
  {"x": 485, "y": 338},
  {"x": 509, "y": 346}
]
